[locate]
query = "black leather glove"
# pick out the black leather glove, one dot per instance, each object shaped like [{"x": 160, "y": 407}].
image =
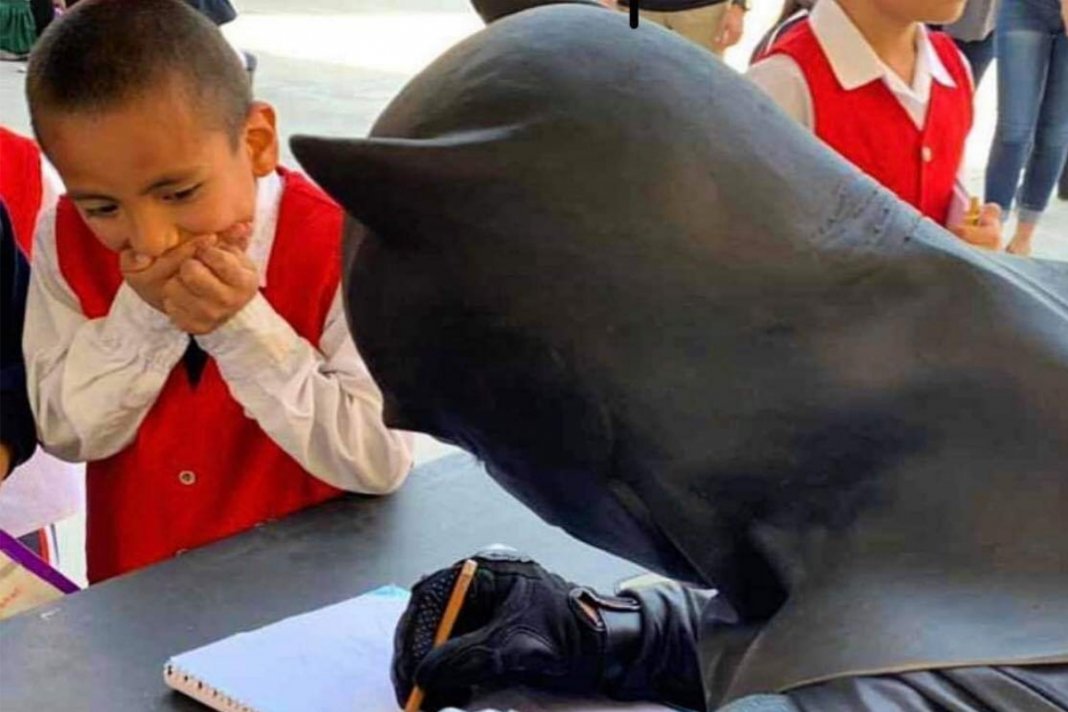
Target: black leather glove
[{"x": 520, "y": 625}]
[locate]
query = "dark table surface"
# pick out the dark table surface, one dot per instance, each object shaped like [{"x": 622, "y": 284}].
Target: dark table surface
[{"x": 104, "y": 648}]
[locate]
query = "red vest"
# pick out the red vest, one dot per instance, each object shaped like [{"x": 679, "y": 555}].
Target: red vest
[
  {"x": 199, "y": 469},
  {"x": 870, "y": 128},
  {"x": 20, "y": 185}
]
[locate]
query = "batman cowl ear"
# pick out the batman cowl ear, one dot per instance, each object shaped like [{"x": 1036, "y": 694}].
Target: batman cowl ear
[
  {"x": 492, "y": 10},
  {"x": 344, "y": 168},
  {"x": 372, "y": 179}
]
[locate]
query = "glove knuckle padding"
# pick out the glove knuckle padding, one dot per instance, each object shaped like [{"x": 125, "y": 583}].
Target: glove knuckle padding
[
  {"x": 526, "y": 651},
  {"x": 499, "y": 552},
  {"x": 460, "y": 664}
]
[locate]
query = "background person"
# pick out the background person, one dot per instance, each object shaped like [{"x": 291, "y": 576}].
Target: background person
[
  {"x": 715, "y": 25},
  {"x": 1030, "y": 147}
]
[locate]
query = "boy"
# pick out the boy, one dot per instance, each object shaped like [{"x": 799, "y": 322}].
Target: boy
[
  {"x": 184, "y": 329},
  {"x": 891, "y": 97}
]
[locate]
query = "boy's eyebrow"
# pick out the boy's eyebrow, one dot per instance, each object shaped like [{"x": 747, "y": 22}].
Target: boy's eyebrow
[
  {"x": 79, "y": 195},
  {"x": 169, "y": 180},
  {"x": 163, "y": 182}
]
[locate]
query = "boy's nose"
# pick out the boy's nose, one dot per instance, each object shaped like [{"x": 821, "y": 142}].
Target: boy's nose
[{"x": 152, "y": 235}]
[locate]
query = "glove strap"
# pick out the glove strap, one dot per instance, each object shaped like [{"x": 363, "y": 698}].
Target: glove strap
[{"x": 621, "y": 621}]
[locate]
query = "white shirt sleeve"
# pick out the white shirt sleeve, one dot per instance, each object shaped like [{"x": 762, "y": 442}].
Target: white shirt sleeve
[
  {"x": 319, "y": 405},
  {"x": 91, "y": 381},
  {"x": 780, "y": 77}
]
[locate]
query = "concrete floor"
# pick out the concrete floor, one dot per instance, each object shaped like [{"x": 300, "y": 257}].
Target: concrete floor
[{"x": 332, "y": 66}]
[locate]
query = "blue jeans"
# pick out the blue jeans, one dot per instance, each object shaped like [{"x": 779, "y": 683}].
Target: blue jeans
[{"x": 1032, "y": 126}]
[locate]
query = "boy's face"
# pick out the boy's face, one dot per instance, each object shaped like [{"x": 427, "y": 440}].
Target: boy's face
[{"x": 153, "y": 173}]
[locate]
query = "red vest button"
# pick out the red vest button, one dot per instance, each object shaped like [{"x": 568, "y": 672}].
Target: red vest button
[
  {"x": 927, "y": 154},
  {"x": 187, "y": 477}
]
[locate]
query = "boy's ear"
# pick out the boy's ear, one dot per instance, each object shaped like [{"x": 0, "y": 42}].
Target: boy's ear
[{"x": 261, "y": 138}]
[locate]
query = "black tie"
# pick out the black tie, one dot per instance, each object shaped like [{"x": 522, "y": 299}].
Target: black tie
[{"x": 194, "y": 360}]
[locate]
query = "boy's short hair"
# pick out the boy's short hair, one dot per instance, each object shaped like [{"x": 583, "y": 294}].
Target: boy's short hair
[{"x": 106, "y": 52}]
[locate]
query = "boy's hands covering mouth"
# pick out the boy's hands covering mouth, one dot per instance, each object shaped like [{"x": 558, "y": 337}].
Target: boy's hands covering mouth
[
  {"x": 213, "y": 284},
  {"x": 199, "y": 284},
  {"x": 148, "y": 276}
]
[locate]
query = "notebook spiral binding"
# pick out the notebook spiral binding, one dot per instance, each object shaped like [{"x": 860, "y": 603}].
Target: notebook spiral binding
[{"x": 178, "y": 679}]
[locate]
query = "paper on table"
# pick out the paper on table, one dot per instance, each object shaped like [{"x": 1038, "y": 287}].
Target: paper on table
[
  {"x": 39, "y": 492},
  {"x": 336, "y": 658}
]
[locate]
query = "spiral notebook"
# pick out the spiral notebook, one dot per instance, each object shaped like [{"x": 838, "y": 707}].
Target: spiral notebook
[{"x": 335, "y": 659}]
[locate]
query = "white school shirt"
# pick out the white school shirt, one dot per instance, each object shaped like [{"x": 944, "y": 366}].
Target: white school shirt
[
  {"x": 856, "y": 64},
  {"x": 92, "y": 381}
]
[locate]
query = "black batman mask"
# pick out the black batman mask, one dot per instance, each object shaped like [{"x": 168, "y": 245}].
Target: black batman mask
[{"x": 673, "y": 323}]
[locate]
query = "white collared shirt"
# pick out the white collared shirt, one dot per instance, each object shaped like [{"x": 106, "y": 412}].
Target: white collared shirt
[
  {"x": 855, "y": 64},
  {"x": 92, "y": 381}
]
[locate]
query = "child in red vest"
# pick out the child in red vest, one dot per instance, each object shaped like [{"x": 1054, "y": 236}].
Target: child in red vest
[
  {"x": 184, "y": 328},
  {"x": 892, "y": 97}
]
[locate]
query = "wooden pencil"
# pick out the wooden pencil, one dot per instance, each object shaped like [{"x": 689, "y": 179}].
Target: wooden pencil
[
  {"x": 448, "y": 620},
  {"x": 975, "y": 212}
]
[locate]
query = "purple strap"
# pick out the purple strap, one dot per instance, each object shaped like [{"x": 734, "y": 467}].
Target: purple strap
[{"x": 29, "y": 560}]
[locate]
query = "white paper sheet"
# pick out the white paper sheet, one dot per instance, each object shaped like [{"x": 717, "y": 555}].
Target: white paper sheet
[{"x": 41, "y": 491}]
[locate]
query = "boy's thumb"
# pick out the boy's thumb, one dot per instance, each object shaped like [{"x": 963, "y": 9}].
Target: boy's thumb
[{"x": 237, "y": 235}]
